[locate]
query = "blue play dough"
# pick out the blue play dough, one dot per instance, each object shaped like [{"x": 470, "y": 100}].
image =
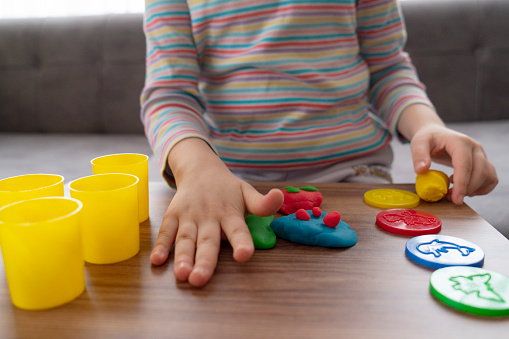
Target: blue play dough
[{"x": 313, "y": 232}]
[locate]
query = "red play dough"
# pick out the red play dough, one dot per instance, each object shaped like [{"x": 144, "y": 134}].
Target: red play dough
[
  {"x": 303, "y": 199},
  {"x": 316, "y": 211},
  {"x": 332, "y": 219},
  {"x": 302, "y": 214}
]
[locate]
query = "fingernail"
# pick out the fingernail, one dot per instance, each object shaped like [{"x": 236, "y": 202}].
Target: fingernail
[
  {"x": 460, "y": 198},
  {"x": 202, "y": 272},
  {"x": 155, "y": 253},
  {"x": 182, "y": 265},
  {"x": 421, "y": 164}
]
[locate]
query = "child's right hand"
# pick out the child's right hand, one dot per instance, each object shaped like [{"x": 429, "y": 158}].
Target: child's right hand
[{"x": 209, "y": 199}]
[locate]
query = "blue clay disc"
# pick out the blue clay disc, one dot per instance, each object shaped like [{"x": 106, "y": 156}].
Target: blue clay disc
[
  {"x": 437, "y": 251},
  {"x": 313, "y": 232}
]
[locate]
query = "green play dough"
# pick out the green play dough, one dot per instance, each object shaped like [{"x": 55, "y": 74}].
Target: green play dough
[
  {"x": 291, "y": 189},
  {"x": 309, "y": 188},
  {"x": 261, "y": 232}
]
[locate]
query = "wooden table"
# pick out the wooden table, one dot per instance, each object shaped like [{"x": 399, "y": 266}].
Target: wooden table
[{"x": 371, "y": 290}]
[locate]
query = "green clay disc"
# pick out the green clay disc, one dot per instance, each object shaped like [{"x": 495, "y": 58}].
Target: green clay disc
[
  {"x": 261, "y": 232},
  {"x": 471, "y": 289}
]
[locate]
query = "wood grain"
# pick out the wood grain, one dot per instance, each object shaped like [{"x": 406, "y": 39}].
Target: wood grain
[{"x": 370, "y": 290}]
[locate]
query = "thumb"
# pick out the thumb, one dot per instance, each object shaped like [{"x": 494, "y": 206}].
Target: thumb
[
  {"x": 259, "y": 204},
  {"x": 421, "y": 150}
]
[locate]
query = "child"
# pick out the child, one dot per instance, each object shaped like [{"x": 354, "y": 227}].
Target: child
[{"x": 295, "y": 90}]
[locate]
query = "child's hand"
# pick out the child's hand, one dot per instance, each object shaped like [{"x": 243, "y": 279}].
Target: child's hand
[
  {"x": 209, "y": 199},
  {"x": 473, "y": 174}
]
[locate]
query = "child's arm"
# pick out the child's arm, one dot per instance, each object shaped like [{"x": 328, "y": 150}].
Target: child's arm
[
  {"x": 209, "y": 199},
  {"x": 431, "y": 140},
  {"x": 399, "y": 99}
]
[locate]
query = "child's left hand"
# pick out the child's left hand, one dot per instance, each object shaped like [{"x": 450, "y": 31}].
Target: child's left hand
[{"x": 431, "y": 140}]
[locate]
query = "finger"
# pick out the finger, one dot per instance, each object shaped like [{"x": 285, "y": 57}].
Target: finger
[
  {"x": 164, "y": 240},
  {"x": 207, "y": 252},
  {"x": 487, "y": 180},
  {"x": 421, "y": 154},
  {"x": 185, "y": 247},
  {"x": 479, "y": 170},
  {"x": 259, "y": 204},
  {"x": 239, "y": 237},
  {"x": 461, "y": 158},
  {"x": 449, "y": 189},
  {"x": 486, "y": 188}
]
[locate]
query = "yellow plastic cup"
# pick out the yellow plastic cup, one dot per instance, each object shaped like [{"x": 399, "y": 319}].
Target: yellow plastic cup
[
  {"x": 41, "y": 248},
  {"x": 29, "y": 186},
  {"x": 110, "y": 228},
  {"x": 129, "y": 163}
]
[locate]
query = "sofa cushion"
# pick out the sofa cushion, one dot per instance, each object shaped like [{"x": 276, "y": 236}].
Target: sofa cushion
[{"x": 85, "y": 74}]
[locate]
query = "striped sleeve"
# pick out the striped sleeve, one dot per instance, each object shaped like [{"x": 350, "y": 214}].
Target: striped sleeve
[
  {"x": 394, "y": 84},
  {"x": 171, "y": 106}
]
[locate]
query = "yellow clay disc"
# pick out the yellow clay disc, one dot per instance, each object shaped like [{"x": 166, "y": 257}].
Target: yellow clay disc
[
  {"x": 432, "y": 185},
  {"x": 391, "y": 198}
]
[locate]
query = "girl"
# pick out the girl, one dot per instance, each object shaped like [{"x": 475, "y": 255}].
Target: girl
[{"x": 281, "y": 90}]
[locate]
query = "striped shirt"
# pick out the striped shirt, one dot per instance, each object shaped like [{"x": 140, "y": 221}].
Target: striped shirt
[{"x": 276, "y": 84}]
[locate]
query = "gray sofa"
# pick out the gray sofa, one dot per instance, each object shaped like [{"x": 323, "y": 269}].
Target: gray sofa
[{"x": 69, "y": 88}]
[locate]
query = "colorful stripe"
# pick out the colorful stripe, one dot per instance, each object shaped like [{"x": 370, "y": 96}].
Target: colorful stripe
[{"x": 276, "y": 84}]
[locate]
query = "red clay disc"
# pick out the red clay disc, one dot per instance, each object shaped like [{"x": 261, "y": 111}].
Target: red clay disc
[{"x": 408, "y": 222}]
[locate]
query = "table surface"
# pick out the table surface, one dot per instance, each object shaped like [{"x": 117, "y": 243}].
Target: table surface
[{"x": 371, "y": 290}]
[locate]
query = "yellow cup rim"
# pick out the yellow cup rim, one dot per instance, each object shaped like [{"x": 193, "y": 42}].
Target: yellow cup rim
[
  {"x": 93, "y": 162},
  {"x": 32, "y": 175},
  {"x": 67, "y": 215},
  {"x": 103, "y": 174}
]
